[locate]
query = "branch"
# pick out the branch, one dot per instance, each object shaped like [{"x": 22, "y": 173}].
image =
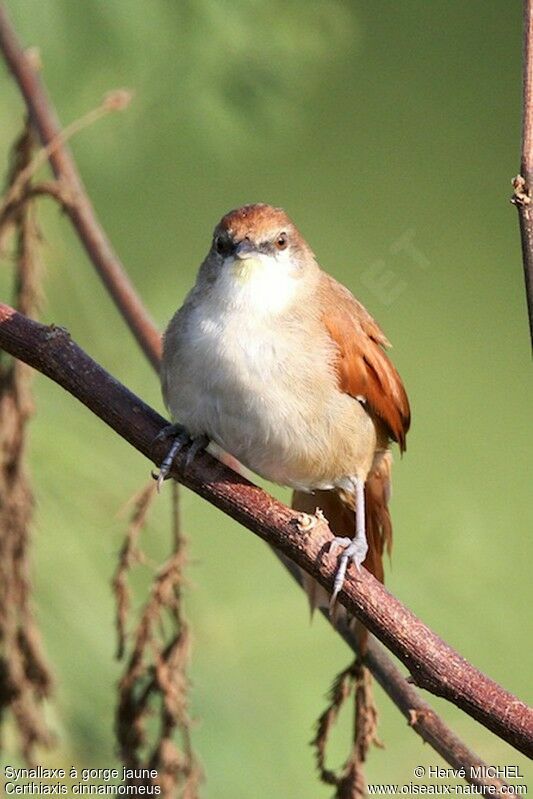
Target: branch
[
  {"x": 523, "y": 182},
  {"x": 420, "y": 716},
  {"x": 79, "y": 207},
  {"x": 432, "y": 663}
]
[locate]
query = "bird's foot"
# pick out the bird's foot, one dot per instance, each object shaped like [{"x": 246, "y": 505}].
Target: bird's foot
[
  {"x": 181, "y": 440},
  {"x": 197, "y": 445},
  {"x": 170, "y": 431},
  {"x": 354, "y": 551}
]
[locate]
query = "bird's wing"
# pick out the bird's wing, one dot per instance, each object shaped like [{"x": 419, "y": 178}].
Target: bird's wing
[{"x": 363, "y": 368}]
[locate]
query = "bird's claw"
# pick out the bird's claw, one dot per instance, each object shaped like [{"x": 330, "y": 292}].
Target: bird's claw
[
  {"x": 171, "y": 431},
  {"x": 181, "y": 439},
  {"x": 354, "y": 551},
  {"x": 197, "y": 444}
]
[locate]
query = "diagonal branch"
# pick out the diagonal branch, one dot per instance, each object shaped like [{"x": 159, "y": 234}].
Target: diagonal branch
[
  {"x": 79, "y": 207},
  {"x": 419, "y": 715},
  {"x": 432, "y": 663}
]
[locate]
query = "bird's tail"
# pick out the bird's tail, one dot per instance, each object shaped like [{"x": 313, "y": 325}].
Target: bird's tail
[
  {"x": 340, "y": 516},
  {"x": 378, "y": 520}
]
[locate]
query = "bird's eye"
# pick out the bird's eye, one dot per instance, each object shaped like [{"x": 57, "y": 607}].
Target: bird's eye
[
  {"x": 222, "y": 245},
  {"x": 281, "y": 241}
]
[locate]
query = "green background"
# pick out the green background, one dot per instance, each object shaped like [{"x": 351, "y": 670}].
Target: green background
[{"x": 373, "y": 124}]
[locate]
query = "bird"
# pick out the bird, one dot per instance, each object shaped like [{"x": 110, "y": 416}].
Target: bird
[{"x": 277, "y": 364}]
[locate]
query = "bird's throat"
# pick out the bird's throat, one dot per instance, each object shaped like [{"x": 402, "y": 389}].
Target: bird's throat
[
  {"x": 262, "y": 284},
  {"x": 244, "y": 269}
]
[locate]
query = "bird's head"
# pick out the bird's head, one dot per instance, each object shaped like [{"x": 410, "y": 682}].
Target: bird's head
[{"x": 259, "y": 256}]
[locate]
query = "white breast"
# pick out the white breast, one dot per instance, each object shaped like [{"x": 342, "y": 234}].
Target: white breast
[
  {"x": 244, "y": 375},
  {"x": 233, "y": 379},
  {"x": 261, "y": 284}
]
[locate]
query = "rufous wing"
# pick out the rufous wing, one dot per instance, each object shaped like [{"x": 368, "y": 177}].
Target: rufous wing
[{"x": 364, "y": 371}]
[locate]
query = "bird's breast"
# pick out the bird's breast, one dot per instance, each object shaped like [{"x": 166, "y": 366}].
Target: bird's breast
[{"x": 264, "y": 390}]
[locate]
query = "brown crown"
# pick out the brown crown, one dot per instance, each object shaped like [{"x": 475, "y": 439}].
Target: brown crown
[{"x": 257, "y": 219}]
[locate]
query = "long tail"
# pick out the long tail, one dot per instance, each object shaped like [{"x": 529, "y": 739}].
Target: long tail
[
  {"x": 378, "y": 520},
  {"x": 340, "y": 516}
]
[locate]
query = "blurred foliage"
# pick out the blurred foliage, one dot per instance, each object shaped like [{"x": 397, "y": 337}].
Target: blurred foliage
[{"x": 390, "y": 132}]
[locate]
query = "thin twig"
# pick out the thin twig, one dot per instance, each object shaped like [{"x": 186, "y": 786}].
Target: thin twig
[
  {"x": 432, "y": 663},
  {"x": 523, "y": 183},
  {"x": 79, "y": 209},
  {"x": 114, "y": 101}
]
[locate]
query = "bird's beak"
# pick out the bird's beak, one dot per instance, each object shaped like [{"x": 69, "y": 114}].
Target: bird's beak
[
  {"x": 245, "y": 250},
  {"x": 246, "y": 260}
]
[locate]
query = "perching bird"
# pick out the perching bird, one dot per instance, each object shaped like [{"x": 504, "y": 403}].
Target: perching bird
[{"x": 280, "y": 366}]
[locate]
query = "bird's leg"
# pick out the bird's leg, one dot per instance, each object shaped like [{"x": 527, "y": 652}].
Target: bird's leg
[
  {"x": 181, "y": 439},
  {"x": 354, "y": 549}
]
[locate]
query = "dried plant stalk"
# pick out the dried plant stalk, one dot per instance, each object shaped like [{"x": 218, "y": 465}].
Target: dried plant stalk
[
  {"x": 25, "y": 679},
  {"x": 349, "y": 782},
  {"x": 155, "y": 683}
]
